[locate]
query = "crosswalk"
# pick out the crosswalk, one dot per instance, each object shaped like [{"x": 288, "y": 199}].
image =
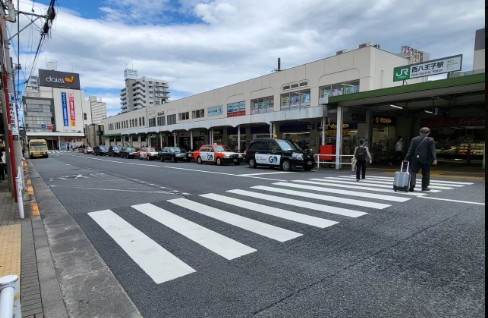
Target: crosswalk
[{"x": 322, "y": 202}]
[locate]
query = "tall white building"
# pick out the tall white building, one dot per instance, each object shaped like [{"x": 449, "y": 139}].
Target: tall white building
[
  {"x": 142, "y": 92},
  {"x": 98, "y": 109}
]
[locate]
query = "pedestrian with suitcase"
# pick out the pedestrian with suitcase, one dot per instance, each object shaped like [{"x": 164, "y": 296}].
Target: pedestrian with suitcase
[
  {"x": 361, "y": 154},
  {"x": 421, "y": 154}
]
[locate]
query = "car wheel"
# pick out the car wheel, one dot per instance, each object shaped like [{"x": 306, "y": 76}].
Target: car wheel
[
  {"x": 199, "y": 160},
  {"x": 286, "y": 165},
  {"x": 219, "y": 162},
  {"x": 252, "y": 163}
]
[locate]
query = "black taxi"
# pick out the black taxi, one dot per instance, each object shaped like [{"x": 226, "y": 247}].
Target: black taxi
[{"x": 281, "y": 153}]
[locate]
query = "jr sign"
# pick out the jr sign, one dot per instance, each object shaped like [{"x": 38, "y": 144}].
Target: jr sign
[{"x": 429, "y": 68}]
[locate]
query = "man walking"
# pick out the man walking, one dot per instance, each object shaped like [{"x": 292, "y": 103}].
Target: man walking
[
  {"x": 421, "y": 154},
  {"x": 361, "y": 154}
]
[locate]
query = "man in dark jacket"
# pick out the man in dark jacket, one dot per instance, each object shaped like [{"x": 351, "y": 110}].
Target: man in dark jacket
[{"x": 421, "y": 154}]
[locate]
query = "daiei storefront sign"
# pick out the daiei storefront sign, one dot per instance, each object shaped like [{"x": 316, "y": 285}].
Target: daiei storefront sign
[{"x": 428, "y": 68}]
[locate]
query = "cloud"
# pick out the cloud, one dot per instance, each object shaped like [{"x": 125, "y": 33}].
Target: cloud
[{"x": 198, "y": 46}]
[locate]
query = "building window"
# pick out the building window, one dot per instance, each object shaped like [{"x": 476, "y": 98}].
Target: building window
[
  {"x": 152, "y": 122},
  {"x": 161, "y": 121},
  {"x": 198, "y": 113},
  {"x": 294, "y": 100},
  {"x": 85, "y": 116},
  {"x": 262, "y": 105},
  {"x": 184, "y": 116},
  {"x": 339, "y": 89},
  {"x": 171, "y": 119}
]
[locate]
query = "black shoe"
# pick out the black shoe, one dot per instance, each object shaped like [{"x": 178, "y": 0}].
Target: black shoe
[
  {"x": 425, "y": 189},
  {"x": 411, "y": 189},
  {"x": 357, "y": 179}
]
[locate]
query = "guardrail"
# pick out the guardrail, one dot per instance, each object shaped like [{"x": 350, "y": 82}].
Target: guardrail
[
  {"x": 333, "y": 161},
  {"x": 10, "y": 297}
]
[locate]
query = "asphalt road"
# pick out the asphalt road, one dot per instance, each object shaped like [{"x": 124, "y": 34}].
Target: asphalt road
[{"x": 190, "y": 240}]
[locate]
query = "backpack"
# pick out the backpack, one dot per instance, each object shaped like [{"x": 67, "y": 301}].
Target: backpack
[{"x": 361, "y": 153}]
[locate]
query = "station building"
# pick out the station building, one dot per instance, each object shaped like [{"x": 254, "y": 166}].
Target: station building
[{"x": 332, "y": 101}]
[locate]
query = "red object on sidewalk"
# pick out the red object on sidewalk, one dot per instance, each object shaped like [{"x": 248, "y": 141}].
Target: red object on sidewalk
[{"x": 327, "y": 152}]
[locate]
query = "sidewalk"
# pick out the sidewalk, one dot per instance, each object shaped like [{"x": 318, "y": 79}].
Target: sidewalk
[{"x": 24, "y": 252}]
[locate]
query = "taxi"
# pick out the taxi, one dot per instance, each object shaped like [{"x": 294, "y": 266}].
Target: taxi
[
  {"x": 148, "y": 153},
  {"x": 218, "y": 154}
]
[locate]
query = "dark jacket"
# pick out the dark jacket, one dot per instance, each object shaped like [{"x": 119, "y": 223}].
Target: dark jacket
[{"x": 425, "y": 153}]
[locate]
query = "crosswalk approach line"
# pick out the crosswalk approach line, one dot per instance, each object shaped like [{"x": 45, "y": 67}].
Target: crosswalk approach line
[
  {"x": 366, "y": 204},
  {"x": 261, "y": 228},
  {"x": 300, "y": 203},
  {"x": 157, "y": 262},
  {"x": 368, "y": 195},
  {"x": 217, "y": 243},
  {"x": 277, "y": 212}
]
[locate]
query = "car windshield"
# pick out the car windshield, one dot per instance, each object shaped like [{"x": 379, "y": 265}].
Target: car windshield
[
  {"x": 287, "y": 145},
  {"x": 150, "y": 149},
  {"x": 222, "y": 149},
  {"x": 103, "y": 148},
  {"x": 130, "y": 149},
  {"x": 177, "y": 149}
]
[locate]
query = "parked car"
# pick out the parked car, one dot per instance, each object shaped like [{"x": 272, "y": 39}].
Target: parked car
[
  {"x": 88, "y": 150},
  {"x": 128, "y": 152},
  {"x": 281, "y": 153},
  {"x": 148, "y": 153},
  {"x": 100, "y": 150},
  {"x": 114, "y": 151},
  {"x": 174, "y": 154},
  {"x": 218, "y": 154}
]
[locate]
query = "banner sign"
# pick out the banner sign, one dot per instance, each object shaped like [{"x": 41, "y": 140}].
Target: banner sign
[
  {"x": 64, "y": 104},
  {"x": 429, "y": 68},
  {"x": 72, "y": 110},
  {"x": 236, "y": 109}
]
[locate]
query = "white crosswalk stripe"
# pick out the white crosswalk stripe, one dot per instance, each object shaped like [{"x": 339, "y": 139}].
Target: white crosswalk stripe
[
  {"x": 162, "y": 266},
  {"x": 264, "y": 229},
  {"x": 329, "y": 198},
  {"x": 158, "y": 263},
  {"x": 307, "y": 205},
  {"x": 390, "y": 183},
  {"x": 344, "y": 192},
  {"x": 222, "y": 245},
  {"x": 280, "y": 213}
]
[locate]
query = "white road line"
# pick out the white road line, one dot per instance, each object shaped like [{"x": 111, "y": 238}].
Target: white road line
[
  {"x": 432, "y": 182},
  {"x": 356, "y": 185},
  {"x": 344, "y": 192},
  {"x": 264, "y": 229},
  {"x": 366, "y": 204},
  {"x": 300, "y": 203},
  {"x": 158, "y": 263},
  {"x": 457, "y": 201},
  {"x": 280, "y": 213},
  {"x": 217, "y": 243},
  {"x": 388, "y": 183},
  {"x": 261, "y": 173},
  {"x": 373, "y": 184}
]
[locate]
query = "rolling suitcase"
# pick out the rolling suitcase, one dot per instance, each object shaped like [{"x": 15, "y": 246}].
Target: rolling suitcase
[{"x": 402, "y": 179}]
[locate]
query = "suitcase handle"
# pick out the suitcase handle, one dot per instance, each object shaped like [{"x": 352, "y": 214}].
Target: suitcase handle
[{"x": 408, "y": 167}]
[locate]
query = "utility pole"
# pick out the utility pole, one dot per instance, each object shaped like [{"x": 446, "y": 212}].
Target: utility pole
[{"x": 8, "y": 100}]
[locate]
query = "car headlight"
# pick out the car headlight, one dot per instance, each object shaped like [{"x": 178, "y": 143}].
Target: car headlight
[{"x": 297, "y": 156}]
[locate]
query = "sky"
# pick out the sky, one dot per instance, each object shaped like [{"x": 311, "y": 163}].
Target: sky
[{"x": 201, "y": 45}]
